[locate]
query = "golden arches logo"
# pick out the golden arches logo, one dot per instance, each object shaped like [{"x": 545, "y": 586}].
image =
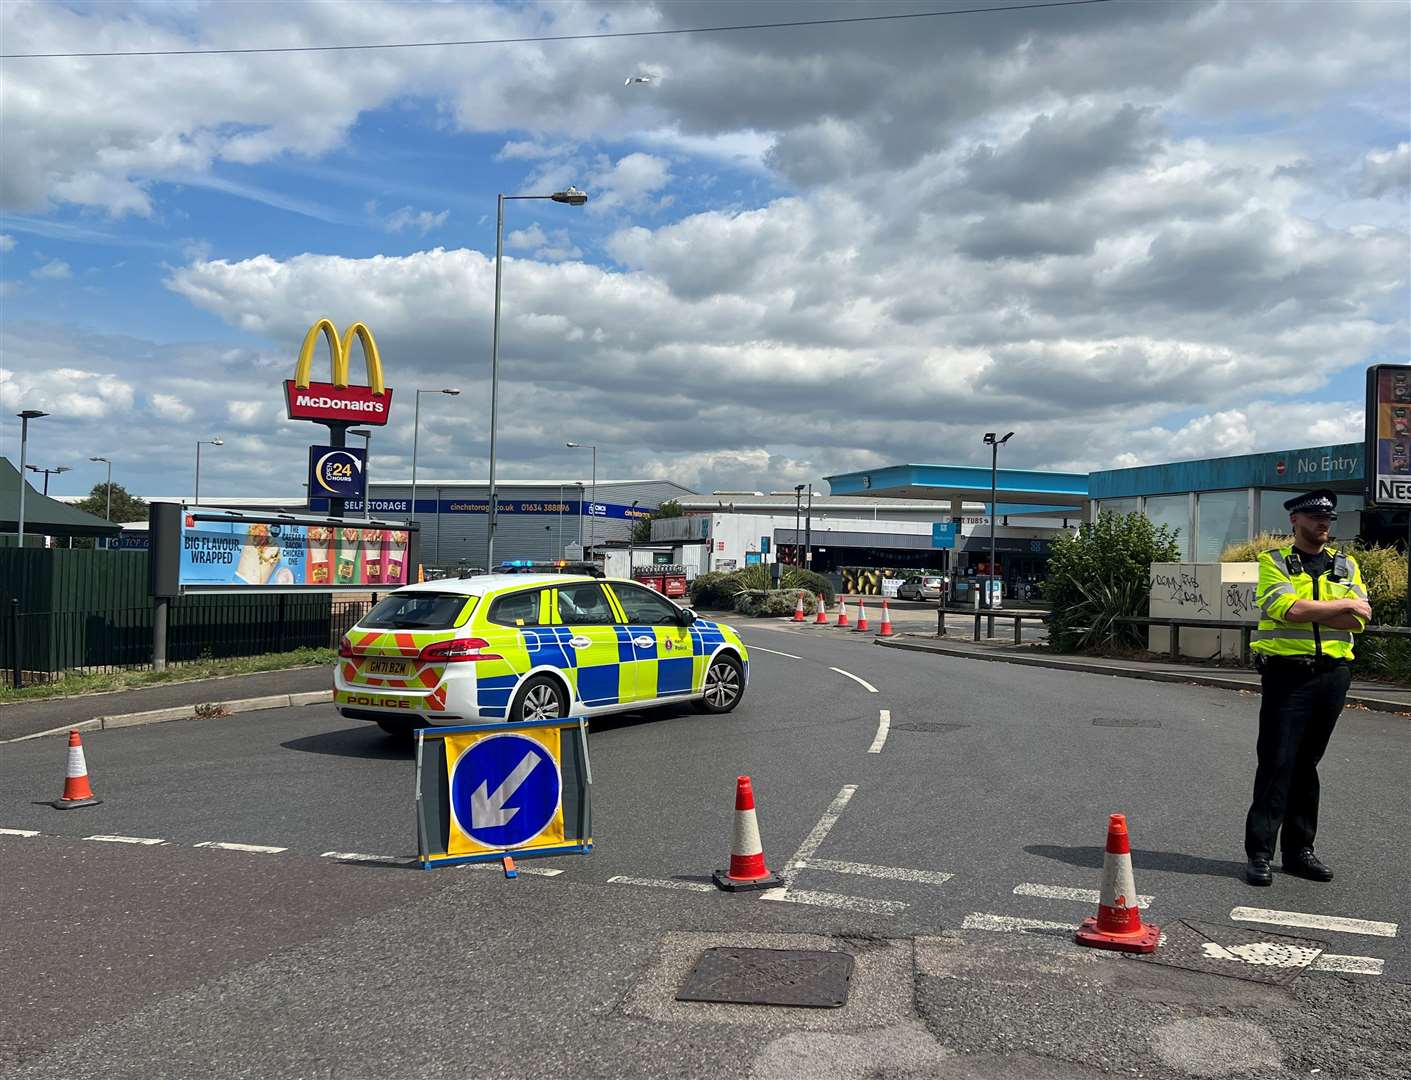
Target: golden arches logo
[{"x": 339, "y": 350}]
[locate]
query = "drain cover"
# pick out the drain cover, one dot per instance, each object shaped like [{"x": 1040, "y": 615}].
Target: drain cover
[
  {"x": 922, "y": 725},
  {"x": 1126, "y": 721},
  {"x": 1236, "y": 952},
  {"x": 812, "y": 978}
]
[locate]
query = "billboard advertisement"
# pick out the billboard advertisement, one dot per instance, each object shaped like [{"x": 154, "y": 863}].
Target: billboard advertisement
[
  {"x": 261, "y": 554},
  {"x": 1388, "y": 468}
]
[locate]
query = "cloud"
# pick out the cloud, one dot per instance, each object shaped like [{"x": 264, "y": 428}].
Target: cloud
[
  {"x": 1387, "y": 172},
  {"x": 629, "y": 183},
  {"x": 7, "y": 242},
  {"x": 53, "y": 270},
  {"x": 422, "y": 221},
  {"x": 550, "y": 247},
  {"x": 171, "y": 407}
]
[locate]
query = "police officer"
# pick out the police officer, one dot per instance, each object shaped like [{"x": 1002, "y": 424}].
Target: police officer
[{"x": 1312, "y": 600}]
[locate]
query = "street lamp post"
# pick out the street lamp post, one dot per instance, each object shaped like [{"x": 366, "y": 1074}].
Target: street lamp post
[
  {"x": 592, "y": 499},
  {"x": 108, "y": 513},
  {"x": 631, "y": 535},
  {"x": 994, "y": 444},
  {"x": 449, "y": 391},
  {"x": 366, "y": 435},
  {"x": 25, "y": 418},
  {"x": 573, "y": 197},
  {"x": 217, "y": 441},
  {"x": 55, "y": 471},
  {"x": 581, "y": 493},
  {"x": 808, "y": 531}
]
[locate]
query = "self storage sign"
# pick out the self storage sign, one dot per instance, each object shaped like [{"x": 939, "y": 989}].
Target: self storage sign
[{"x": 1389, "y": 435}]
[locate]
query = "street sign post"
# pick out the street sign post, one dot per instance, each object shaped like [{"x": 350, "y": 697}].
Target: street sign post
[
  {"x": 943, "y": 534},
  {"x": 485, "y": 791},
  {"x": 1388, "y": 439}
]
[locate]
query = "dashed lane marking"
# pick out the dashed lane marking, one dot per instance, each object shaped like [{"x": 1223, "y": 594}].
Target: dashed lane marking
[
  {"x": 259, "y": 849},
  {"x": 150, "y": 841},
  {"x": 1349, "y": 965},
  {"x": 358, "y": 856},
  {"x": 658, "y": 883},
  {"x": 1060, "y": 892},
  {"x": 772, "y": 652},
  {"x": 893, "y": 873},
  {"x": 884, "y": 724},
  {"x": 790, "y": 895},
  {"x": 1008, "y": 924},
  {"x": 19, "y": 832},
  {"x": 773, "y": 630},
  {"x": 861, "y": 682},
  {"x": 1314, "y": 922}
]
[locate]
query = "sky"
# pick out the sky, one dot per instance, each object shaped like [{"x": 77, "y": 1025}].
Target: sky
[{"x": 1129, "y": 232}]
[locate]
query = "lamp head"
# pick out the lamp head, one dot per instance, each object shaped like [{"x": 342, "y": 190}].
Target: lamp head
[
  {"x": 63, "y": 469},
  {"x": 217, "y": 441},
  {"x": 572, "y": 196},
  {"x": 100, "y": 459},
  {"x": 361, "y": 432},
  {"x": 31, "y": 414},
  {"x": 451, "y": 390}
]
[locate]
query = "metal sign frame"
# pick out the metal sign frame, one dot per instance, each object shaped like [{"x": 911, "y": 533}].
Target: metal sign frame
[
  {"x": 433, "y": 792},
  {"x": 1397, "y": 486}
]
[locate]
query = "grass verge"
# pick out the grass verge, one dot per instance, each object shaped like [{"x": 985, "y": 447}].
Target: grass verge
[{"x": 72, "y": 684}]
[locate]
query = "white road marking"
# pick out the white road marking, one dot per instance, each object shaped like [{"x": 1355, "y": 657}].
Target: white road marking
[
  {"x": 771, "y": 652},
  {"x": 814, "y": 840},
  {"x": 790, "y": 895},
  {"x": 1007, "y": 924},
  {"x": 893, "y": 873},
  {"x": 151, "y": 841},
  {"x": 1262, "y": 954},
  {"x": 1352, "y": 965},
  {"x": 884, "y": 725},
  {"x": 259, "y": 849},
  {"x": 1314, "y": 922},
  {"x": 19, "y": 832},
  {"x": 1059, "y": 892},
  {"x": 533, "y": 871},
  {"x": 772, "y": 629},
  {"x": 862, "y": 682},
  {"x": 657, "y": 883},
  {"x": 358, "y": 856}
]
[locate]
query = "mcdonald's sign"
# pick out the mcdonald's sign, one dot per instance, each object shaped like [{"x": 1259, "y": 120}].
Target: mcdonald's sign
[{"x": 332, "y": 402}]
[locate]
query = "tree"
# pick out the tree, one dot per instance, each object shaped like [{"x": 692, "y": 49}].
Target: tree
[
  {"x": 125, "y": 507},
  {"x": 642, "y": 528}
]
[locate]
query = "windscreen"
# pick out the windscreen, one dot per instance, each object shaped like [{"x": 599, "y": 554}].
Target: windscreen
[{"x": 417, "y": 611}]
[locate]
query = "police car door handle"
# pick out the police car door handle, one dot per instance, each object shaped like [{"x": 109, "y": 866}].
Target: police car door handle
[
  {"x": 579, "y": 642},
  {"x": 644, "y": 642}
]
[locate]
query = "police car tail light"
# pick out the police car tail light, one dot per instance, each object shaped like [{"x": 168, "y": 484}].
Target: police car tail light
[
  {"x": 345, "y": 648},
  {"x": 456, "y": 651}
]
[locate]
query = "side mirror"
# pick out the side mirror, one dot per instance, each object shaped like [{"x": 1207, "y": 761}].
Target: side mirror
[{"x": 688, "y": 616}]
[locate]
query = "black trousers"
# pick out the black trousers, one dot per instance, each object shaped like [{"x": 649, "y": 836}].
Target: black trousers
[{"x": 1296, "y": 719}]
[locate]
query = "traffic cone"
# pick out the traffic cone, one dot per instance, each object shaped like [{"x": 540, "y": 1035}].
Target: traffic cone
[
  {"x": 76, "y": 790},
  {"x": 861, "y": 627},
  {"x": 747, "y": 869},
  {"x": 822, "y": 619},
  {"x": 798, "y": 609},
  {"x": 1118, "y": 924},
  {"x": 886, "y": 630},
  {"x": 842, "y": 612}
]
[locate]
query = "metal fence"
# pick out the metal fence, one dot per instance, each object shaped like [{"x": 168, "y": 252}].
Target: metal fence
[{"x": 47, "y": 643}]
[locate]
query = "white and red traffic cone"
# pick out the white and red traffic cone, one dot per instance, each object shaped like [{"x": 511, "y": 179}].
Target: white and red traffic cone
[
  {"x": 798, "y": 609},
  {"x": 861, "y": 627},
  {"x": 77, "y": 791},
  {"x": 886, "y": 629},
  {"x": 842, "y": 612},
  {"x": 822, "y": 618},
  {"x": 1118, "y": 924},
  {"x": 747, "y": 867}
]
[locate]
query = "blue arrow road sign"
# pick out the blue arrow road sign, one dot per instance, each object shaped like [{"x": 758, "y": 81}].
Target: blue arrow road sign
[{"x": 505, "y": 790}]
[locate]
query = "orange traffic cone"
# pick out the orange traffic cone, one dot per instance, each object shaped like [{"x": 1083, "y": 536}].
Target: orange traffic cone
[
  {"x": 798, "y": 609},
  {"x": 1118, "y": 924},
  {"x": 822, "y": 619},
  {"x": 861, "y": 627},
  {"x": 886, "y": 630},
  {"x": 76, "y": 790},
  {"x": 747, "y": 868},
  {"x": 842, "y": 612}
]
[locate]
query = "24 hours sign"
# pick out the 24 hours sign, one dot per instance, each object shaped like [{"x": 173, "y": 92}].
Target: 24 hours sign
[{"x": 337, "y": 472}]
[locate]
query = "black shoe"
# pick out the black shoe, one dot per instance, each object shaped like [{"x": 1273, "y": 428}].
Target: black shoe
[
  {"x": 1259, "y": 872},
  {"x": 1305, "y": 864}
]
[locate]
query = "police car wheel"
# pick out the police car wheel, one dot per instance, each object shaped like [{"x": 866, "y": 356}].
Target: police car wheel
[
  {"x": 541, "y": 698},
  {"x": 724, "y": 685},
  {"x": 397, "y": 727}
]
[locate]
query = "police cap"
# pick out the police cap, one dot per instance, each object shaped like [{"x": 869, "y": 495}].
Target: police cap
[{"x": 1321, "y": 501}]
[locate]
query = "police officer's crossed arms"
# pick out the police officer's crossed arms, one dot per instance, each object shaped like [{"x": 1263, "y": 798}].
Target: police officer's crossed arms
[{"x": 1312, "y": 601}]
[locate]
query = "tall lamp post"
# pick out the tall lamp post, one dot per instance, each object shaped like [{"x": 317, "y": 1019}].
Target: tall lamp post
[
  {"x": 55, "y": 471},
  {"x": 573, "y": 197},
  {"x": 592, "y": 499},
  {"x": 366, "y": 435},
  {"x": 808, "y": 531},
  {"x": 449, "y": 391},
  {"x": 579, "y": 485},
  {"x": 108, "y": 513},
  {"x": 217, "y": 441},
  {"x": 994, "y": 444},
  {"x": 631, "y": 534},
  {"x": 25, "y": 418}
]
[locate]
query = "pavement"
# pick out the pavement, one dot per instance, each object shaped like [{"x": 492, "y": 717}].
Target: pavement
[{"x": 939, "y": 820}]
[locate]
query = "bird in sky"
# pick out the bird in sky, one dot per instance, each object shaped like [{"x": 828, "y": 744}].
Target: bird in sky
[{"x": 636, "y": 79}]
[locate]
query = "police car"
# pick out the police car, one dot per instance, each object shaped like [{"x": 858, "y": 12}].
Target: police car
[{"x": 531, "y": 647}]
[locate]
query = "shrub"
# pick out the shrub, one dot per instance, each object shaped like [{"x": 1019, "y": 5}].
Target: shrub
[
  {"x": 717, "y": 589},
  {"x": 714, "y": 591},
  {"x": 1102, "y": 573},
  {"x": 764, "y": 603}
]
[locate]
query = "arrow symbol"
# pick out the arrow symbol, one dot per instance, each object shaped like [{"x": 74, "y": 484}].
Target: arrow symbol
[{"x": 488, "y": 810}]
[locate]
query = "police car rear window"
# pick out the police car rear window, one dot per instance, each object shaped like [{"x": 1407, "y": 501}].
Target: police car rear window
[
  {"x": 417, "y": 611},
  {"x": 517, "y": 609}
]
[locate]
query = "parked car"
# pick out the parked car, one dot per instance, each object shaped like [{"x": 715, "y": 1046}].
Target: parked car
[{"x": 922, "y": 588}]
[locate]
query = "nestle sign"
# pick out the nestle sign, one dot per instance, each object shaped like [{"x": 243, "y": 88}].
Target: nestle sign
[{"x": 324, "y": 401}]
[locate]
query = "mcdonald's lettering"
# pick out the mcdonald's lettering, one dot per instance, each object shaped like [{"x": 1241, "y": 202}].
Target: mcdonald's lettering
[{"x": 337, "y": 400}]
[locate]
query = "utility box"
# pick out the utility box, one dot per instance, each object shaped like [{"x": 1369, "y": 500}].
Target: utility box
[{"x": 1218, "y": 592}]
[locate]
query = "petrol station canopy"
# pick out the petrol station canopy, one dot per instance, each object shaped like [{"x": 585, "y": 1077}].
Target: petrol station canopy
[{"x": 1019, "y": 491}]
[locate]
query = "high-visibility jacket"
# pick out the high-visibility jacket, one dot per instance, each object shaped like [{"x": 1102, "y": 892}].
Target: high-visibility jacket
[{"x": 1282, "y": 581}]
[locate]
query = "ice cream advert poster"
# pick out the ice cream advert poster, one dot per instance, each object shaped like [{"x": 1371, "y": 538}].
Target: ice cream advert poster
[{"x": 255, "y": 554}]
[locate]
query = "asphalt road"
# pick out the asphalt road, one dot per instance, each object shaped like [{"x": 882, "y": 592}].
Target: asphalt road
[{"x": 942, "y": 855}]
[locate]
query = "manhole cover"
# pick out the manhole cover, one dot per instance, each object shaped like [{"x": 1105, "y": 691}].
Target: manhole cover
[
  {"x": 923, "y": 725},
  {"x": 1236, "y": 952},
  {"x": 1126, "y": 721},
  {"x": 812, "y": 978}
]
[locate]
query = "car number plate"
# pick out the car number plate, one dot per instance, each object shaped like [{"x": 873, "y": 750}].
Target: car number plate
[{"x": 388, "y": 667}]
